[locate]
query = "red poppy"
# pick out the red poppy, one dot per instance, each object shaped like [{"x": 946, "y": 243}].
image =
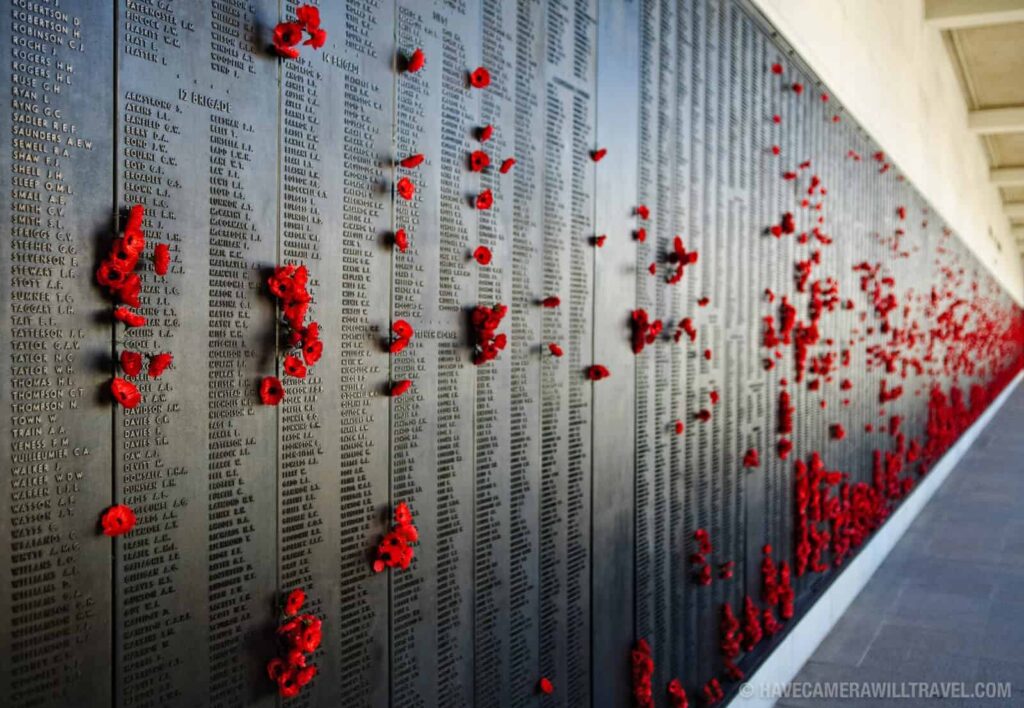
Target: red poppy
[
  {"x": 293, "y": 366},
  {"x": 784, "y": 446},
  {"x": 707, "y": 354},
  {"x": 286, "y": 36},
  {"x": 412, "y": 161},
  {"x": 703, "y": 302},
  {"x": 415, "y": 61},
  {"x": 399, "y": 387},
  {"x": 288, "y": 683},
  {"x": 640, "y": 234},
  {"x": 798, "y": 88},
  {"x": 652, "y": 268},
  {"x": 677, "y": 695},
  {"x": 703, "y": 415},
  {"x": 776, "y": 118},
  {"x": 131, "y": 363},
  {"x": 271, "y": 391},
  {"x": 598, "y": 155},
  {"x": 135, "y": 216},
  {"x": 398, "y": 344},
  {"x": 309, "y": 16},
  {"x": 484, "y": 200},
  {"x": 312, "y": 350},
  {"x": 130, "y": 290},
  {"x": 305, "y": 675},
  {"x": 776, "y": 150},
  {"x": 482, "y": 255},
  {"x": 158, "y": 364},
  {"x": 643, "y": 212},
  {"x": 401, "y": 240},
  {"x": 837, "y": 431},
  {"x": 551, "y": 301},
  {"x": 161, "y": 258},
  {"x": 776, "y": 68},
  {"x": 680, "y": 427},
  {"x": 117, "y": 520},
  {"x": 130, "y": 319},
  {"x": 598, "y": 241},
  {"x": 751, "y": 458},
  {"x": 506, "y": 165},
  {"x": 276, "y": 667},
  {"x": 479, "y": 161},
  {"x": 405, "y": 188},
  {"x": 485, "y": 133},
  {"x": 597, "y": 372},
  {"x": 545, "y": 685},
  {"x": 125, "y": 393},
  {"x": 480, "y": 78},
  {"x": 294, "y": 602},
  {"x": 402, "y": 329},
  {"x": 555, "y": 349},
  {"x": 317, "y": 38}
]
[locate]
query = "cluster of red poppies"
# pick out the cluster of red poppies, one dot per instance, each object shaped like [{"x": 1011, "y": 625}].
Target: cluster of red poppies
[
  {"x": 680, "y": 258},
  {"x": 729, "y": 644},
  {"x": 488, "y": 341},
  {"x": 288, "y": 35},
  {"x": 642, "y": 664},
  {"x": 645, "y": 330},
  {"x": 117, "y": 274},
  {"x": 699, "y": 561},
  {"x": 302, "y": 345},
  {"x": 712, "y": 692},
  {"x": 751, "y": 458},
  {"x": 298, "y": 637},
  {"x": 686, "y": 327},
  {"x": 395, "y": 549}
]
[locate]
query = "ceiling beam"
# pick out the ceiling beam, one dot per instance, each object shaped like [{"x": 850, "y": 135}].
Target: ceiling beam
[
  {"x": 958, "y": 14},
  {"x": 996, "y": 120},
  {"x": 1007, "y": 176},
  {"x": 1015, "y": 210}
]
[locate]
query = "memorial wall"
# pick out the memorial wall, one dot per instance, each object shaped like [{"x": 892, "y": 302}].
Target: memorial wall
[{"x": 449, "y": 352}]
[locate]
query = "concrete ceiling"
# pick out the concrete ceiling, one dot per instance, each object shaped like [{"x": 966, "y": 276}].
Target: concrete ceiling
[{"x": 986, "y": 43}]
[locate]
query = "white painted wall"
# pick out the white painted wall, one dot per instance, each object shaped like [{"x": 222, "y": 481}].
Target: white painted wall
[{"x": 892, "y": 72}]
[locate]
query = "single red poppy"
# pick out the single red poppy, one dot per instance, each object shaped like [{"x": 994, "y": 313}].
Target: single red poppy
[
  {"x": 598, "y": 241},
  {"x": 271, "y": 391},
  {"x": 288, "y": 683},
  {"x": 551, "y": 301},
  {"x": 507, "y": 165},
  {"x": 400, "y": 387},
  {"x": 294, "y": 602},
  {"x": 309, "y": 16},
  {"x": 480, "y": 78},
  {"x": 479, "y": 161},
  {"x": 837, "y": 431},
  {"x": 415, "y": 61},
  {"x": 555, "y": 349},
  {"x": 703, "y": 415},
  {"x": 824, "y": 98},
  {"x": 412, "y": 161},
  {"x": 135, "y": 217},
  {"x": 482, "y": 255},
  {"x": 161, "y": 258},
  {"x": 130, "y": 290},
  {"x": 402, "y": 329},
  {"x": 131, "y": 363},
  {"x": 643, "y": 212},
  {"x": 158, "y": 363},
  {"x": 751, "y": 458},
  {"x": 640, "y": 234},
  {"x": 703, "y": 302},
  {"x": 707, "y": 354},
  {"x": 293, "y": 366},
  {"x": 306, "y": 674},
  {"x": 597, "y": 372},
  {"x": 545, "y": 685},
  {"x": 117, "y": 520},
  {"x": 317, "y": 38},
  {"x": 652, "y": 268},
  {"x": 598, "y": 155},
  {"x": 401, "y": 240},
  {"x": 286, "y": 36},
  {"x": 312, "y": 351},
  {"x": 130, "y": 319},
  {"x": 776, "y": 68},
  {"x": 405, "y": 188},
  {"x": 125, "y": 393},
  {"x": 776, "y": 150},
  {"x": 680, "y": 427},
  {"x": 398, "y": 344},
  {"x": 484, "y": 200},
  {"x": 275, "y": 667},
  {"x": 798, "y": 88},
  {"x": 485, "y": 133}
]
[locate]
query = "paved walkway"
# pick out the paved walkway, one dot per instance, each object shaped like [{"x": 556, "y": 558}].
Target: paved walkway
[{"x": 948, "y": 603}]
